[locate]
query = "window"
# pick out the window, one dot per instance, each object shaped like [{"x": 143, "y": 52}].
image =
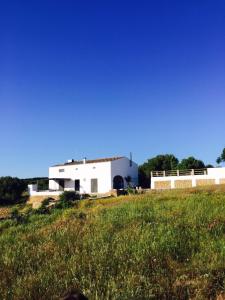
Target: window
[
  {"x": 61, "y": 170},
  {"x": 94, "y": 185}
]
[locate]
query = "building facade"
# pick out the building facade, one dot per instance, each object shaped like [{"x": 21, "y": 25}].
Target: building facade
[{"x": 93, "y": 176}]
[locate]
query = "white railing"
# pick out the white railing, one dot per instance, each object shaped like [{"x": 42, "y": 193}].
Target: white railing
[{"x": 179, "y": 172}]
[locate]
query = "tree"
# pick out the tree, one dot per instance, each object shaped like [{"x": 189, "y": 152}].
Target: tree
[
  {"x": 191, "y": 163},
  {"x": 209, "y": 166},
  {"x": 11, "y": 189},
  {"x": 157, "y": 163},
  {"x": 161, "y": 162},
  {"x": 218, "y": 161},
  {"x": 143, "y": 177},
  {"x": 221, "y": 158}
]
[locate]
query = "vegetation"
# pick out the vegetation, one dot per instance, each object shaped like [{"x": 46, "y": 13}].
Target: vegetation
[
  {"x": 11, "y": 190},
  {"x": 67, "y": 198},
  {"x": 221, "y": 158},
  {"x": 191, "y": 163},
  {"x": 157, "y": 163},
  {"x": 160, "y": 245}
]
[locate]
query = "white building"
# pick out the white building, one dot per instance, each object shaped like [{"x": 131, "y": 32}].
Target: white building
[
  {"x": 93, "y": 176},
  {"x": 187, "y": 178}
]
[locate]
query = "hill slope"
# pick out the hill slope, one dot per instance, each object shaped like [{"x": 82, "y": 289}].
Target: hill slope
[{"x": 168, "y": 245}]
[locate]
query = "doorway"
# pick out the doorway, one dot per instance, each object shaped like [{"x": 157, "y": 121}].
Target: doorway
[
  {"x": 61, "y": 185},
  {"x": 118, "y": 182},
  {"x": 77, "y": 185}
]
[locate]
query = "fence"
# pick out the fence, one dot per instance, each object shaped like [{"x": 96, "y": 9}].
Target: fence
[{"x": 179, "y": 172}]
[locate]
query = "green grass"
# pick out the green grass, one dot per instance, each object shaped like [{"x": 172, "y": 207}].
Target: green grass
[{"x": 165, "y": 245}]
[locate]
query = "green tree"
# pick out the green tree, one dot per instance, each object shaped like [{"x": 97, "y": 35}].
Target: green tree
[
  {"x": 209, "y": 166},
  {"x": 11, "y": 189},
  {"x": 191, "y": 163},
  {"x": 157, "y": 163},
  {"x": 221, "y": 158}
]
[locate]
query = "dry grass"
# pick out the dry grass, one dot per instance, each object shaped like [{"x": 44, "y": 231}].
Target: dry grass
[{"x": 160, "y": 245}]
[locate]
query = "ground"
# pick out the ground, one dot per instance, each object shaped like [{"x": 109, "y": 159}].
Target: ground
[{"x": 160, "y": 245}]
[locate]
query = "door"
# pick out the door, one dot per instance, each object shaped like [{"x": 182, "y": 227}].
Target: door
[
  {"x": 61, "y": 185},
  {"x": 94, "y": 185},
  {"x": 77, "y": 185}
]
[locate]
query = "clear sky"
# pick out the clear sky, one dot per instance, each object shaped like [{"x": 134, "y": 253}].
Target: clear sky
[{"x": 103, "y": 78}]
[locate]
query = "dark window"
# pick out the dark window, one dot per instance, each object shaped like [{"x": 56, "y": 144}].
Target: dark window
[
  {"x": 61, "y": 170},
  {"x": 94, "y": 185},
  {"x": 77, "y": 185}
]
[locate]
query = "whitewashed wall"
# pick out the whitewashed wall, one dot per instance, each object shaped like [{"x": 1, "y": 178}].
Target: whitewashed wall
[
  {"x": 122, "y": 167},
  {"x": 84, "y": 173},
  {"x": 32, "y": 189}
]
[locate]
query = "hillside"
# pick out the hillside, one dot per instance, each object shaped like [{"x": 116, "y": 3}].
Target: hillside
[{"x": 161, "y": 245}]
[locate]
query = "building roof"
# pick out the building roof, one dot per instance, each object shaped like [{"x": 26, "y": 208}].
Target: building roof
[{"x": 89, "y": 161}]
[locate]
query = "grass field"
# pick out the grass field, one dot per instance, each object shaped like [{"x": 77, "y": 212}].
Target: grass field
[{"x": 161, "y": 245}]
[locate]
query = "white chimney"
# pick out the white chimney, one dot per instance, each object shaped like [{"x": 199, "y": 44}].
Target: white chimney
[
  {"x": 84, "y": 160},
  {"x": 70, "y": 160}
]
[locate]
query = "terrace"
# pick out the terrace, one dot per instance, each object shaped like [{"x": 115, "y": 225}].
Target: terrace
[{"x": 179, "y": 172}]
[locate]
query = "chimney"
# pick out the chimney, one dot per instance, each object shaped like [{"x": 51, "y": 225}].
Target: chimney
[
  {"x": 131, "y": 162},
  {"x": 70, "y": 160},
  {"x": 84, "y": 160}
]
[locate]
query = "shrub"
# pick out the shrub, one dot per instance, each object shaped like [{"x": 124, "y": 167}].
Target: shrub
[
  {"x": 11, "y": 189},
  {"x": 67, "y": 198},
  {"x": 14, "y": 213},
  {"x": 131, "y": 191},
  {"x": 18, "y": 217},
  {"x": 44, "y": 209}
]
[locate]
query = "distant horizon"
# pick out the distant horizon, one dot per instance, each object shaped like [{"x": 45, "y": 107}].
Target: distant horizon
[{"x": 100, "y": 79}]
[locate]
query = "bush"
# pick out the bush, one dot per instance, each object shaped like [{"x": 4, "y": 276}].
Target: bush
[
  {"x": 67, "y": 198},
  {"x": 131, "y": 191},
  {"x": 18, "y": 217},
  {"x": 11, "y": 189},
  {"x": 44, "y": 208}
]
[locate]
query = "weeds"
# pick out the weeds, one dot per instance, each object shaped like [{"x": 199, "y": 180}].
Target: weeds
[{"x": 168, "y": 245}]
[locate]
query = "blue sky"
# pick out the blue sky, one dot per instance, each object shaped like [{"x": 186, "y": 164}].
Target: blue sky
[{"x": 103, "y": 78}]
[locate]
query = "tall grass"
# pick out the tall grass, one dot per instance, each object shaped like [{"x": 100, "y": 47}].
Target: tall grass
[{"x": 168, "y": 245}]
